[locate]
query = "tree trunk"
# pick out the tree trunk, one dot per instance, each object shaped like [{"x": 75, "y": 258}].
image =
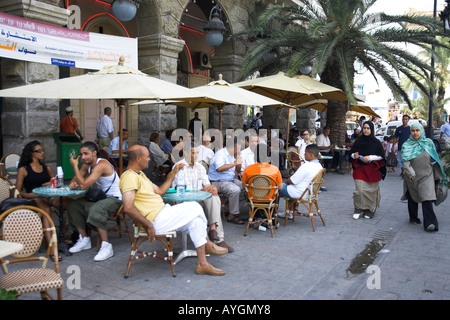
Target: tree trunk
[
  {"x": 336, "y": 121},
  {"x": 336, "y": 110}
]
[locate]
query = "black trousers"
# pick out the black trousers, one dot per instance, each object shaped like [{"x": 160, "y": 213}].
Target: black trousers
[{"x": 427, "y": 210}]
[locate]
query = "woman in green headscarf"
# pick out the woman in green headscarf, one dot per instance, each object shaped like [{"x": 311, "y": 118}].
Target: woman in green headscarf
[{"x": 422, "y": 168}]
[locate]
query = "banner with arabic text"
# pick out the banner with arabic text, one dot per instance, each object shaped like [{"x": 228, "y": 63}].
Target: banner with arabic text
[{"x": 29, "y": 40}]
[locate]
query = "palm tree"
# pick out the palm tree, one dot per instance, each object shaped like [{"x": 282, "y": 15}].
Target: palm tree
[{"x": 334, "y": 34}]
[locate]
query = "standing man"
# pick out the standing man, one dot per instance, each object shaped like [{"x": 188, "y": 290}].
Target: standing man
[
  {"x": 99, "y": 174},
  {"x": 143, "y": 203},
  {"x": 258, "y": 122},
  {"x": 445, "y": 134},
  {"x": 70, "y": 124},
  {"x": 402, "y": 134},
  {"x": 196, "y": 127},
  {"x": 105, "y": 128}
]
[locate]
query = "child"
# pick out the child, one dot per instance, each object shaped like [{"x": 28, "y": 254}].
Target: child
[{"x": 391, "y": 154}]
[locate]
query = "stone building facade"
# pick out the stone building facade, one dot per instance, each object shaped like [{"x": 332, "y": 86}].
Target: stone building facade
[{"x": 170, "y": 40}]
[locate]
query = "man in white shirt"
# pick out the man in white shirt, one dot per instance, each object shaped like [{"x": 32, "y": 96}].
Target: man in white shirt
[
  {"x": 294, "y": 186},
  {"x": 248, "y": 154},
  {"x": 445, "y": 134},
  {"x": 325, "y": 146},
  {"x": 105, "y": 128},
  {"x": 222, "y": 169},
  {"x": 194, "y": 172},
  {"x": 205, "y": 153}
]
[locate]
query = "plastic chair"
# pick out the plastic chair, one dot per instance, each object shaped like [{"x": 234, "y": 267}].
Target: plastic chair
[
  {"x": 23, "y": 224},
  {"x": 119, "y": 217},
  {"x": 309, "y": 198},
  {"x": 140, "y": 237},
  {"x": 261, "y": 193},
  {"x": 294, "y": 161}
]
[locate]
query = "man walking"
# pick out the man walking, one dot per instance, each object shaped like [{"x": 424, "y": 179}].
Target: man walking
[{"x": 402, "y": 134}]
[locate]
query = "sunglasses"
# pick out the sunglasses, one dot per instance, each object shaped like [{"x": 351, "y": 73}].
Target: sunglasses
[{"x": 38, "y": 151}]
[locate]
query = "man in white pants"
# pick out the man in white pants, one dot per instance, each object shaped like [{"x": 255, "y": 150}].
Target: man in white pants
[
  {"x": 143, "y": 203},
  {"x": 194, "y": 172}
]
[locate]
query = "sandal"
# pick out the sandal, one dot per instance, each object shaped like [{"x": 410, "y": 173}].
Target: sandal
[
  {"x": 53, "y": 257},
  {"x": 235, "y": 220}
]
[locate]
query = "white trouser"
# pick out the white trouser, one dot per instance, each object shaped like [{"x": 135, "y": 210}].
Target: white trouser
[{"x": 187, "y": 217}]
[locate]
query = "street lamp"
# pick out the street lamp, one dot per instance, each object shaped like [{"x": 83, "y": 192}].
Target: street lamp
[
  {"x": 445, "y": 15},
  {"x": 215, "y": 28},
  {"x": 125, "y": 10}
]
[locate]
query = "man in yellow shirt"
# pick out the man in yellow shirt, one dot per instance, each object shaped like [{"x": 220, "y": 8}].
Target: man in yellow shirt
[{"x": 143, "y": 203}]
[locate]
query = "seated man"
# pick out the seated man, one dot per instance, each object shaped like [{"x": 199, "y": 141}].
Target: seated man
[
  {"x": 167, "y": 145},
  {"x": 155, "y": 151},
  {"x": 194, "y": 171},
  {"x": 294, "y": 186},
  {"x": 98, "y": 173},
  {"x": 222, "y": 173},
  {"x": 205, "y": 153},
  {"x": 143, "y": 203},
  {"x": 325, "y": 146},
  {"x": 248, "y": 154},
  {"x": 114, "y": 147}
]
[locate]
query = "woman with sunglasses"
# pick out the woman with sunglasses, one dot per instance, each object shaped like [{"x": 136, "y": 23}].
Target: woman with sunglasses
[{"x": 32, "y": 173}]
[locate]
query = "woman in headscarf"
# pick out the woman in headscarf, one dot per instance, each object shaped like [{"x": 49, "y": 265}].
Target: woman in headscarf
[
  {"x": 367, "y": 157},
  {"x": 419, "y": 159}
]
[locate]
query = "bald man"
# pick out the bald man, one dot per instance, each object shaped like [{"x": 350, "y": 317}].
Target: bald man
[{"x": 143, "y": 203}]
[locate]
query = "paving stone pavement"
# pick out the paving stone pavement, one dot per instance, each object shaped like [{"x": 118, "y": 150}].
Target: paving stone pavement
[{"x": 297, "y": 264}]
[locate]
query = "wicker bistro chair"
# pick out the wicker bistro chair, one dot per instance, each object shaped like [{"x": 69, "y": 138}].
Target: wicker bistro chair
[
  {"x": 308, "y": 199},
  {"x": 22, "y": 224},
  {"x": 294, "y": 161},
  {"x": 140, "y": 237},
  {"x": 7, "y": 189},
  {"x": 261, "y": 192},
  {"x": 9, "y": 160}
]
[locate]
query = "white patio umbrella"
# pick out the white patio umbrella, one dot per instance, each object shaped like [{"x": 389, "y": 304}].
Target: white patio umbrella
[
  {"x": 219, "y": 93},
  {"x": 117, "y": 82}
]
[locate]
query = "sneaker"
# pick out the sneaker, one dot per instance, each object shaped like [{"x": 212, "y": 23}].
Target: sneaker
[
  {"x": 356, "y": 216},
  {"x": 430, "y": 227},
  {"x": 81, "y": 244},
  {"x": 105, "y": 252}
]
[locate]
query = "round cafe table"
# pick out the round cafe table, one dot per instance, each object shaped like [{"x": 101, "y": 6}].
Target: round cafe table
[
  {"x": 61, "y": 192},
  {"x": 172, "y": 196}
]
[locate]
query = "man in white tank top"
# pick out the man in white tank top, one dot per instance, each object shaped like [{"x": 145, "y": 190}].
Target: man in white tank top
[{"x": 100, "y": 174}]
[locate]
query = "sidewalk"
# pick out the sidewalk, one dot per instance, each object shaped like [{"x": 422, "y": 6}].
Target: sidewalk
[{"x": 296, "y": 264}]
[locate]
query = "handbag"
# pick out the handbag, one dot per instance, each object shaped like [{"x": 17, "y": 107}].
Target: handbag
[
  {"x": 441, "y": 191},
  {"x": 14, "y": 202},
  {"x": 391, "y": 160},
  {"x": 94, "y": 194}
]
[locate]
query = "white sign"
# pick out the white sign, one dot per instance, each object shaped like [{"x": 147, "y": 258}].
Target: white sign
[{"x": 29, "y": 40}]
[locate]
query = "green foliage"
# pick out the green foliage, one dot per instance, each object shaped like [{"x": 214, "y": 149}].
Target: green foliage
[{"x": 7, "y": 295}]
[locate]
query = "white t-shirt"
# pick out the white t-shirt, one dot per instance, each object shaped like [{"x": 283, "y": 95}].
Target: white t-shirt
[
  {"x": 205, "y": 154},
  {"x": 248, "y": 158},
  {"x": 104, "y": 126},
  {"x": 303, "y": 177},
  {"x": 323, "y": 141}
]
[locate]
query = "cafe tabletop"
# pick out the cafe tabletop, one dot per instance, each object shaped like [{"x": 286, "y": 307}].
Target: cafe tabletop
[
  {"x": 188, "y": 195},
  {"x": 7, "y": 248},
  {"x": 48, "y": 191},
  {"x": 341, "y": 149}
]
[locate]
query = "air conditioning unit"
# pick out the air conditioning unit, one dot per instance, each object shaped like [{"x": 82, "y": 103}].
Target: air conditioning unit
[{"x": 202, "y": 60}]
